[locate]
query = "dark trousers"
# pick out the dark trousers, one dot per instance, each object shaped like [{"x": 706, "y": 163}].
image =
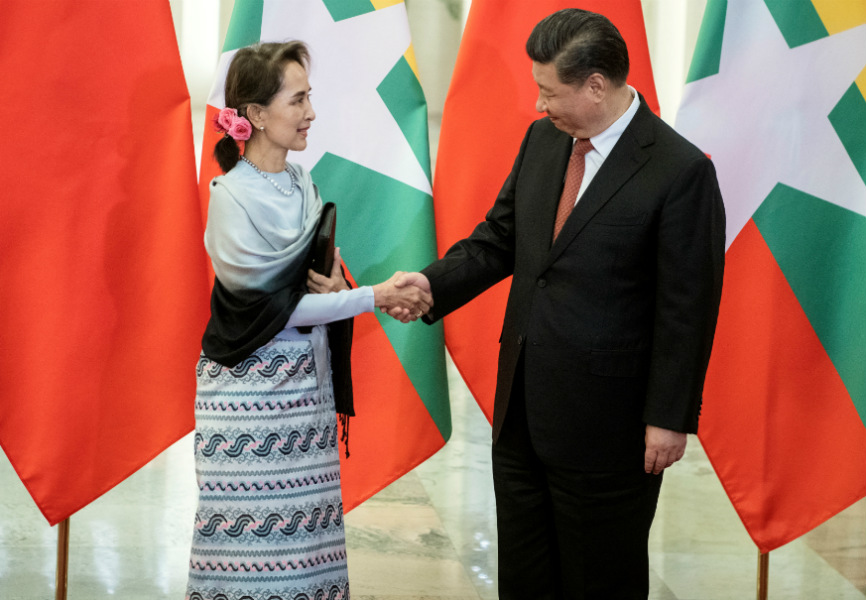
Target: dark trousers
[{"x": 564, "y": 533}]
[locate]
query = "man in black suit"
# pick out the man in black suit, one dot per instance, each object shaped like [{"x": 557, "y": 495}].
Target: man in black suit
[{"x": 612, "y": 226}]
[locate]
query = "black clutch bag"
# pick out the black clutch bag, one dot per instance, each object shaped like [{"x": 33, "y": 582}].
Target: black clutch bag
[{"x": 322, "y": 250}]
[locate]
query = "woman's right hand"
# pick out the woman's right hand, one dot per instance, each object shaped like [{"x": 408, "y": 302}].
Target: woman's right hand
[
  {"x": 319, "y": 284},
  {"x": 412, "y": 301}
]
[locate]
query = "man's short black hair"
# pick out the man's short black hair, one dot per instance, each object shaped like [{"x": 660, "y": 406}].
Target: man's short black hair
[{"x": 579, "y": 43}]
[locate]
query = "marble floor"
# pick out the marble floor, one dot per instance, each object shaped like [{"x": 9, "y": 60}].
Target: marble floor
[{"x": 430, "y": 535}]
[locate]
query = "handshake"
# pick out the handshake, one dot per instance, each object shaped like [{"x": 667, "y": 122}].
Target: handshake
[{"x": 405, "y": 296}]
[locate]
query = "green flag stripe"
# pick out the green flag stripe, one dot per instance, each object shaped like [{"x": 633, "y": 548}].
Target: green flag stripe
[
  {"x": 383, "y": 226},
  {"x": 245, "y": 25},
  {"x": 708, "y": 51},
  {"x": 849, "y": 120},
  {"x": 346, "y": 9},
  {"x": 798, "y": 21},
  {"x": 821, "y": 249},
  {"x": 404, "y": 97}
]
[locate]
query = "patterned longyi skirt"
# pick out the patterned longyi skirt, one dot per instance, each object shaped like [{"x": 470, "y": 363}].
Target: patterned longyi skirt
[{"x": 269, "y": 523}]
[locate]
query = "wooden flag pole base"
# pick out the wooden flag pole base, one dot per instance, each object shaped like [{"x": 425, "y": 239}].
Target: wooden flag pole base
[
  {"x": 62, "y": 559},
  {"x": 763, "y": 572}
]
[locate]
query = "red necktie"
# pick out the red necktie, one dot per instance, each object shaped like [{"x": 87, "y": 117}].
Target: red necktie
[{"x": 573, "y": 179}]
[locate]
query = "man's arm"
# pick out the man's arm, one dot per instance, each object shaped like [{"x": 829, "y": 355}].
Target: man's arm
[
  {"x": 481, "y": 260},
  {"x": 690, "y": 262}
]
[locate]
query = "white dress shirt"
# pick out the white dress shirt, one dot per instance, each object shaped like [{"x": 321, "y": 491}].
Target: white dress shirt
[{"x": 604, "y": 142}]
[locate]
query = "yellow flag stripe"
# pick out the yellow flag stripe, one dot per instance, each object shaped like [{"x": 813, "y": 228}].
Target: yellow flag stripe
[
  {"x": 409, "y": 55},
  {"x": 861, "y": 83},
  {"x": 377, "y": 4},
  {"x": 841, "y": 15}
]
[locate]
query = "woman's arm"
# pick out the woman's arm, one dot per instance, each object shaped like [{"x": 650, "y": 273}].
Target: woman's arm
[
  {"x": 332, "y": 300},
  {"x": 317, "y": 309}
]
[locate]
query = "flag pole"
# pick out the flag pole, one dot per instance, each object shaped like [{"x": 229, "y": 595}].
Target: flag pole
[
  {"x": 763, "y": 571},
  {"x": 62, "y": 559}
]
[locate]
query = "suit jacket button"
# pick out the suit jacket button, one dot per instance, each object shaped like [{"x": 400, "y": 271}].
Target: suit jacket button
[
  {"x": 542, "y": 283},
  {"x": 519, "y": 339}
]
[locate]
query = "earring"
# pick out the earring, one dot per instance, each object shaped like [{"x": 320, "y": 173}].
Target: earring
[{"x": 262, "y": 127}]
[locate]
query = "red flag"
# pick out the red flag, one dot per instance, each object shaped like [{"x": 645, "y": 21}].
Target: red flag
[
  {"x": 103, "y": 294},
  {"x": 490, "y": 104}
]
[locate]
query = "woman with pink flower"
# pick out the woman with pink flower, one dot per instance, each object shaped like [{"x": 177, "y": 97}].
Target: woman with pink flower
[{"x": 274, "y": 366}]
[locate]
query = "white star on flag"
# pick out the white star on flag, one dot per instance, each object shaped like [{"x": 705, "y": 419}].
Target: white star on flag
[
  {"x": 350, "y": 58},
  {"x": 773, "y": 103}
]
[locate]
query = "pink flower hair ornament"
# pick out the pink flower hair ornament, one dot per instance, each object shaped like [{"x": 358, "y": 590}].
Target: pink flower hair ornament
[{"x": 228, "y": 121}]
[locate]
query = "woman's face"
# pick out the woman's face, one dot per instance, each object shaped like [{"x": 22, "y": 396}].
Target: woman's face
[{"x": 288, "y": 117}]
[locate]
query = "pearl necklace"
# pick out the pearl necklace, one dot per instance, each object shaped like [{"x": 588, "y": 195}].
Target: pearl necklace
[{"x": 274, "y": 183}]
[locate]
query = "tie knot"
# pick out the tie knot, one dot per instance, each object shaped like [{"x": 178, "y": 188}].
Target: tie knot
[{"x": 582, "y": 146}]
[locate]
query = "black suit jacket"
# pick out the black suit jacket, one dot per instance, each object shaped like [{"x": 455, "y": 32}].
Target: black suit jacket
[{"x": 615, "y": 320}]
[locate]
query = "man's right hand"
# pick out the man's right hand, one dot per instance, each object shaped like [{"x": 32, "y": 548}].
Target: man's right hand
[
  {"x": 409, "y": 281},
  {"x": 403, "y": 299}
]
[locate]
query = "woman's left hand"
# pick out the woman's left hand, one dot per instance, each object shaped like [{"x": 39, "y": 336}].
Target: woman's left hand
[{"x": 319, "y": 284}]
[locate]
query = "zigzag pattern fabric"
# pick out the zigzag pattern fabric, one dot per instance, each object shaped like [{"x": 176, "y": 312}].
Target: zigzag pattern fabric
[{"x": 269, "y": 524}]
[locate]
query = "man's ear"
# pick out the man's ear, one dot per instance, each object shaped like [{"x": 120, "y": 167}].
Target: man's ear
[{"x": 597, "y": 85}]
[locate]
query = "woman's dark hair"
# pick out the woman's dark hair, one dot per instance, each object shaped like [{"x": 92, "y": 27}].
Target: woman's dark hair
[
  {"x": 255, "y": 76},
  {"x": 579, "y": 43}
]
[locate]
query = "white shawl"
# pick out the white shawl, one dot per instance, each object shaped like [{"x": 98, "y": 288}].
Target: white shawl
[{"x": 257, "y": 237}]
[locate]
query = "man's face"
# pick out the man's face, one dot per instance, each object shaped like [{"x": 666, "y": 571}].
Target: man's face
[{"x": 572, "y": 109}]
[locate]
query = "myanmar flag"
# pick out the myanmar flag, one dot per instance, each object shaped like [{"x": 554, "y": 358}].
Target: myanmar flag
[
  {"x": 776, "y": 94},
  {"x": 103, "y": 289},
  {"x": 490, "y": 104},
  {"x": 368, "y": 153}
]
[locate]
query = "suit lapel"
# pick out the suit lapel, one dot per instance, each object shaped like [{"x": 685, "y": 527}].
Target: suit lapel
[
  {"x": 550, "y": 163},
  {"x": 627, "y": 158}
]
